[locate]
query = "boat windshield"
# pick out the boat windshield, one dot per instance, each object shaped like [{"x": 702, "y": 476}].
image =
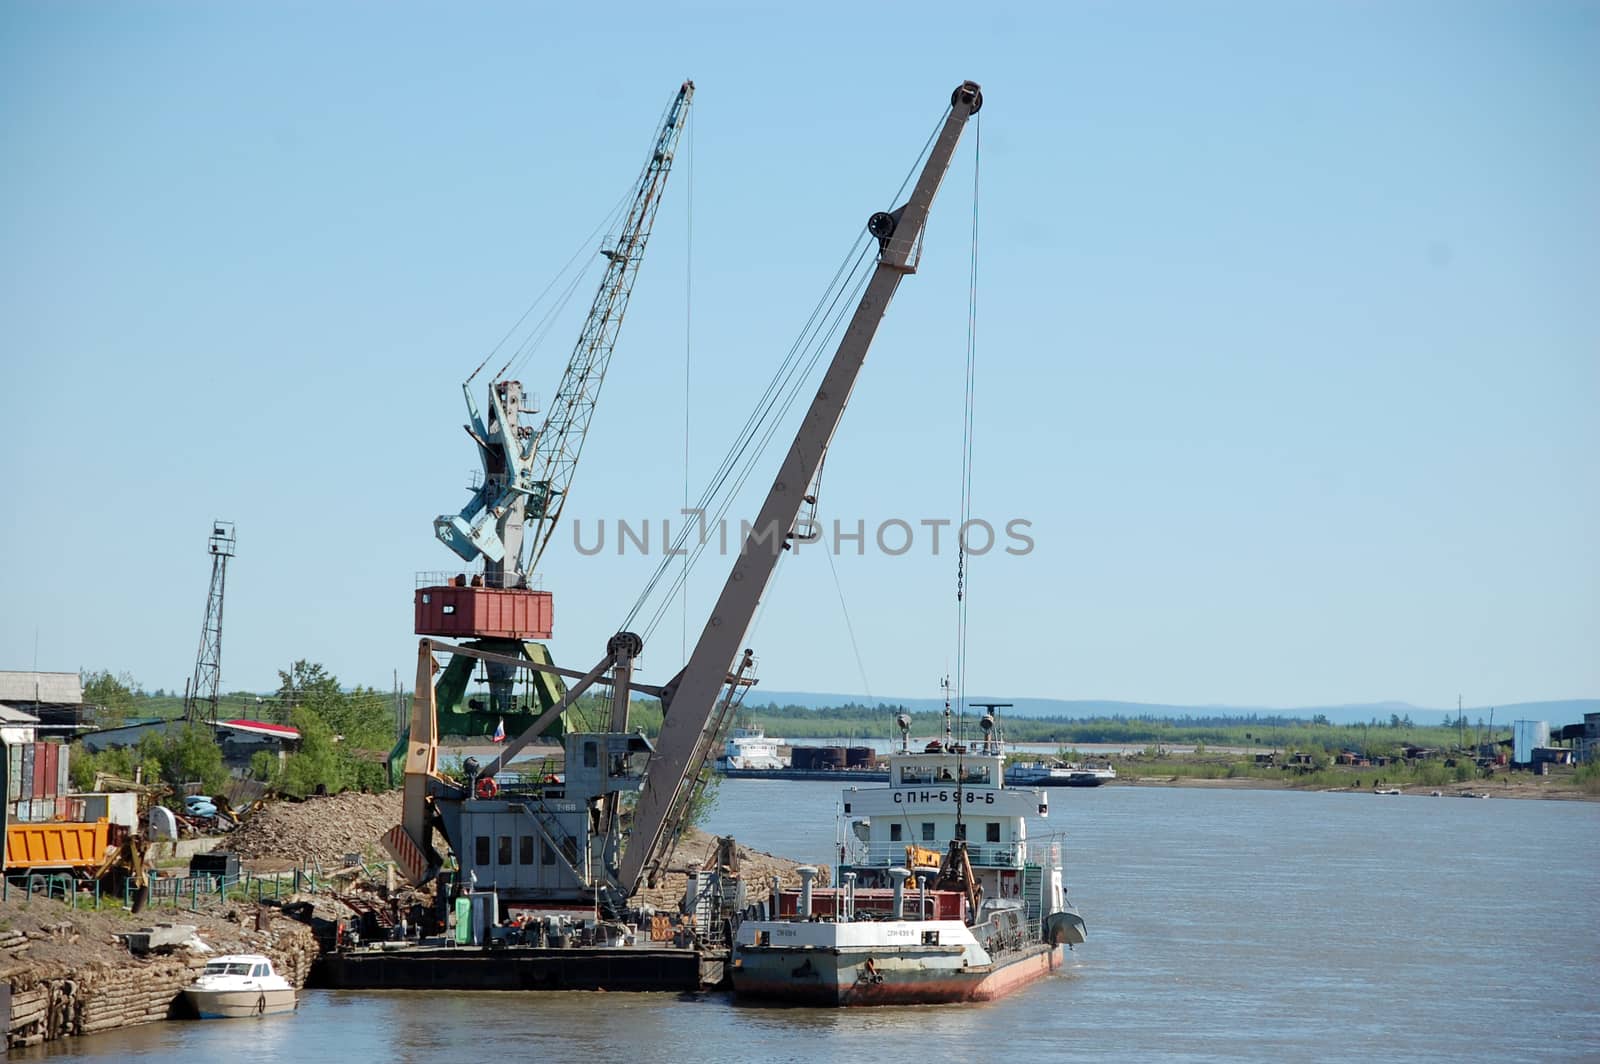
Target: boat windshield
[
  {"x": 221, "y": 968},
  {"x": 970, "y": 773}
]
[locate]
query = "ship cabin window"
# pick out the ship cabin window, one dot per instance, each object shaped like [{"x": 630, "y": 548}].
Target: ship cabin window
[
  {"x": 525, "y": 852},
  {"x": 591, "y": 754},
  {"x": 481, "y": 848},
  {"x": 930, "y": 938},
  {"x": 975, "y": 773},
  {"x": 547, "y": 853},
  {"x": 894, "y": 833},
  {"x": 991, "y": 831},
  {"x": 505, "y": 849},
  {"x": 927, "y": 831},
  {"x": 259, "y": 971}
]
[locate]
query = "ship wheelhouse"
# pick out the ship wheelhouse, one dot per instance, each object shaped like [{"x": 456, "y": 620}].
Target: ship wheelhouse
[{"x": 911, "y": 822}]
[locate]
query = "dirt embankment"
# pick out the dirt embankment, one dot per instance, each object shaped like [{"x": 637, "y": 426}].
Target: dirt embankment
[
  {"x": 319, "y": 831},
  {"x": 69, "y": 974}
]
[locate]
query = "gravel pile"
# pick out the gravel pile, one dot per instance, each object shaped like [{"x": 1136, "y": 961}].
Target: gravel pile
[{"x": 321, "y": 830}]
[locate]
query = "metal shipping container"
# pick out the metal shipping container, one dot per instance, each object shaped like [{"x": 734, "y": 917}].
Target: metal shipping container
[
  {"x": 64, "y": 777},
  {"x": 501, "y": 613},
  {"x": 52, "y": 769},
  {"x": 27, "y": 772},
  {"x": 14, "y": 773}
]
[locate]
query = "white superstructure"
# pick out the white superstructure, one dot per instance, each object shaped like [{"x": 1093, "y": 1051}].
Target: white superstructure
[{"x": 750, "y": 748}]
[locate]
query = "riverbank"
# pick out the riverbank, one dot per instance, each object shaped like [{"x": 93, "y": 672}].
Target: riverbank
[
  {"x": 1547, "y": 788},
  {"x": 69, "y": 973}
]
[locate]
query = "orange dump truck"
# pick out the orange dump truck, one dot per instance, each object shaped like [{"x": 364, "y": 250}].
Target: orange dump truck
[{"x": 57, "y": 845}]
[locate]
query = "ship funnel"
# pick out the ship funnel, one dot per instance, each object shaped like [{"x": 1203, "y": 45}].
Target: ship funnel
[
  {"x": 897, "y": 876},
  {"x": 807, "y": 874}
]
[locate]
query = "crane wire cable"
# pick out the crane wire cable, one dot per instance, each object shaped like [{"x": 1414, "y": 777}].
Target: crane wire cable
[
  {"x": 728, "y": 486},
  {"x": 962, "y": 598},
  {"x": 618, "y": 213},
  {"x": 742, "y": 442},
  {"x": 520, "y": 355},
  {"x": 609, "y": 220},
  {"x": 778, "y": 397},
  {"x": 587, "y": 242},
  {"x": 543, "y": 327},
  {"x": 850, "y": 629}
]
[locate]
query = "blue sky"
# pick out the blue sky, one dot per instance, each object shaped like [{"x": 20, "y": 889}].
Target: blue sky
[{"x": 1288, "y": 340}]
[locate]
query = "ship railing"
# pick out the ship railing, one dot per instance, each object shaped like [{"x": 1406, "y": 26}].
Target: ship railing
[
  {"x": 478, "y": 578},
  {"x": 893, "y": 854},
  {"x": 1047, "y": 850}
]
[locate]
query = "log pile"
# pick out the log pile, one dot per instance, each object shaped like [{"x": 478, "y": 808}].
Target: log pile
[
  {"x": 104, "y": 989},
  {"x": 319, "y": 830}
]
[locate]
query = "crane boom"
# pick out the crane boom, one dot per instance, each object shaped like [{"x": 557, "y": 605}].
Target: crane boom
[
  {"x": 688, "y": 701},
  {"x": 510, "y": 519}
]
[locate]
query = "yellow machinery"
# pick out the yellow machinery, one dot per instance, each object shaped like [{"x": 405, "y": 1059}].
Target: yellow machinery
[{"x": 57, "y": 845}]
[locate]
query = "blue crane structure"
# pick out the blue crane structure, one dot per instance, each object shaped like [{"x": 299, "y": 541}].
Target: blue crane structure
[{"x": 527, "y": 473}]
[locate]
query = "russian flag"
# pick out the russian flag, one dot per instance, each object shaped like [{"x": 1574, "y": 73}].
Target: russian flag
[{"x": 499, "y": 735}]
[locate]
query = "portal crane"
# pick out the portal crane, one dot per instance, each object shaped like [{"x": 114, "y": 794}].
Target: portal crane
[
  {"x": 526, "y": 472},
  {"x": 582, "y": 853},
  {"x": 511, "y": 516}
]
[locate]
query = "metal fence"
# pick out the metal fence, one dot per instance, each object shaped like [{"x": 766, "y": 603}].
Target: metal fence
[{"x": 50, "y": 884}]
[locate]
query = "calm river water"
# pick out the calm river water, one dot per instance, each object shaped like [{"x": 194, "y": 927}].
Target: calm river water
[{"x": 1223, "y": 926}]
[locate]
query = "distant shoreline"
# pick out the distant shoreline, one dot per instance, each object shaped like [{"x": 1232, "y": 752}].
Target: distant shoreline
[{"x": 1525, "y": 789}]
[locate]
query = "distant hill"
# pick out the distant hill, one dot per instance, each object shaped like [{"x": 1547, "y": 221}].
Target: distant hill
[{"x": 1567, "y": 711}]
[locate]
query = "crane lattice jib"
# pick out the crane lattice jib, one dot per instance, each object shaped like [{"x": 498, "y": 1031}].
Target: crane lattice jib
[{"x": 553, "y": 451}]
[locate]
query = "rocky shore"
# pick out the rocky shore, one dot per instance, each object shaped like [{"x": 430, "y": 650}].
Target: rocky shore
[{"x": 69, "y": 974}]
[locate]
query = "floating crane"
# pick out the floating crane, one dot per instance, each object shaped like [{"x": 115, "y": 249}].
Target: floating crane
[
  {"x": 557, "y": 840},
  {"x": 527, "y": 473}
]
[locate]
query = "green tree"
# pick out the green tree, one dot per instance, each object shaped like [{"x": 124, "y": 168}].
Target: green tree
[
  {"x": 114, "y": 695},
  {"x": 264, "y": 766},
  {"x": 190, "y": 754},
  {"x": 315, "y": 763}
]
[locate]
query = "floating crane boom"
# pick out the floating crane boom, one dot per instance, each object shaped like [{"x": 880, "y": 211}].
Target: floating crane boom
[{"x": 689, "y": 699}]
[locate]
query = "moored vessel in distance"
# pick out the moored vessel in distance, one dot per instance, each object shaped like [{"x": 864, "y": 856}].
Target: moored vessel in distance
[
  {"x": 1061, "y": 773},
  {"x": 988, "y": 909},
  {"x": 749, "y": 748}
]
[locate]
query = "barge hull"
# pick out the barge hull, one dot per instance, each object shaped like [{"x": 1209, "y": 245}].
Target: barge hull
[
  {"x": 842, "y": 977},
  {"x": 622, "y": 969}
]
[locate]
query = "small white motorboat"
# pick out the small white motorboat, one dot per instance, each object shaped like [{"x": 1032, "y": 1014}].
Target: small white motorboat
[{"x": 240, "y": 985}]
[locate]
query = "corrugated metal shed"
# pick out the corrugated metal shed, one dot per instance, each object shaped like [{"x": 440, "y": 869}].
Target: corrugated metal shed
[{"x": 23, "y": 687}]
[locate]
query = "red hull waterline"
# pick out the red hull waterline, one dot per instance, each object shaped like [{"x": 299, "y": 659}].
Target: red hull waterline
[{"x": 933, "y": 989}]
